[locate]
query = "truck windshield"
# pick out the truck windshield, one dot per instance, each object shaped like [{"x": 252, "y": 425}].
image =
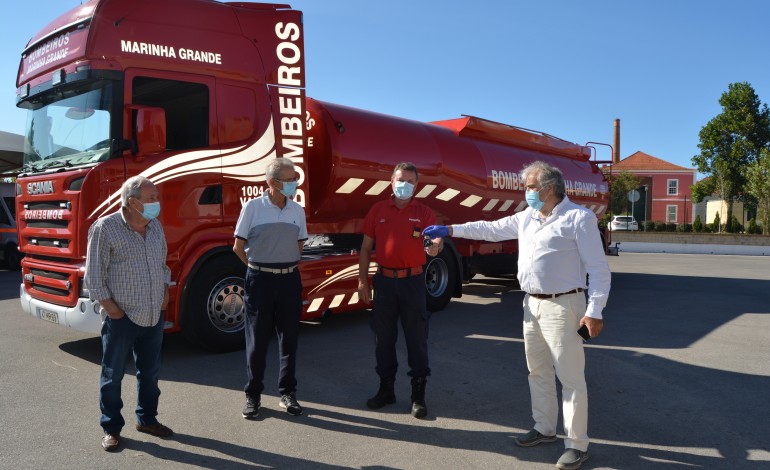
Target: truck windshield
[{"x": 69, "y": 129}]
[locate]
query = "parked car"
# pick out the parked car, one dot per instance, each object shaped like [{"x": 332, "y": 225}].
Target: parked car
[
  {"x": 9, "y": 253},
  {"x": 623, "y": 222}
]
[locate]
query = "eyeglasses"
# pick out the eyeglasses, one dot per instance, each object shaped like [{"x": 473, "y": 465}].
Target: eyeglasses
[{"x": 290, "y": 180}]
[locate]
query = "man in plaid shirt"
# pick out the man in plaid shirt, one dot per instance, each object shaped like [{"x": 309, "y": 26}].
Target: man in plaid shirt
[{"x": 126, "y": 273}]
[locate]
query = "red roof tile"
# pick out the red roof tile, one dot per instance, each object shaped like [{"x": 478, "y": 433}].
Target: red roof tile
[{"x": 640, "y": 161}]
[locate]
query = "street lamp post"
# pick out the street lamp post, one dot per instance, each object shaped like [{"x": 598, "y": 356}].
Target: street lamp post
[{"x": 645, "y": 206}]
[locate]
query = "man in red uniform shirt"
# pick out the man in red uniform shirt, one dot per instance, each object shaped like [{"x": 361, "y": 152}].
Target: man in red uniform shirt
[{"x": 396, "y": 225}]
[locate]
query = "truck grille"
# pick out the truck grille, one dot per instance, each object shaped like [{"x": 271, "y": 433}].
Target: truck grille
[
  {"x": 52, "y": 285},
  {"x": 45, "y": 228}
]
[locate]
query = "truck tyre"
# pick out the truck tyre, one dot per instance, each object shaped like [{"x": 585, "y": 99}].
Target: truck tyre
[
  {"x": 440, "y": 280},
  {"x": 12, "y": 258},
  {"x": 214, "y": 310}
]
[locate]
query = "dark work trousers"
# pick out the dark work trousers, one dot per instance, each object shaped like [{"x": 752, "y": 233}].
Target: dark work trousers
[
  {"x": 400, "y": 299},
  {"x": 273, "y": 304}
]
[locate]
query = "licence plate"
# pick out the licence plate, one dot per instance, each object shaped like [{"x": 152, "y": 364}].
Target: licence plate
[{"x": 47, "y": 315}]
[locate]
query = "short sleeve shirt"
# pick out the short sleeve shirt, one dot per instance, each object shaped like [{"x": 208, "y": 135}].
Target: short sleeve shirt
[
  {"x": 271, "y": 233},
  {"x": 398, "y": 232}
]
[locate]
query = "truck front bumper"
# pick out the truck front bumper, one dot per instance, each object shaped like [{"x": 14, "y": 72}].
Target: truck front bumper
[{"x": 84, "y": 316}]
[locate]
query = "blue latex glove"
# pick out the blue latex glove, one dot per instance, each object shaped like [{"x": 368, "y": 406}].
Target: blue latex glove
[{"x": 436, "y": 231}]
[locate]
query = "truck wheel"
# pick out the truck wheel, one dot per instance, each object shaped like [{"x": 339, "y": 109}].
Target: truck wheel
[
  {"x": 12, "y": 258},
  {"x": 440, "y": 280},
  {"x": 214, "y": 309}
]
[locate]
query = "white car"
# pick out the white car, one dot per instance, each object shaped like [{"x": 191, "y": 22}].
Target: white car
[{"x": 622, "y": 222}]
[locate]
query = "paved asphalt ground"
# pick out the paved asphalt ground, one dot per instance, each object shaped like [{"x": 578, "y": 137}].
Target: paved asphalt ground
[{"x": 679, "y": 379}]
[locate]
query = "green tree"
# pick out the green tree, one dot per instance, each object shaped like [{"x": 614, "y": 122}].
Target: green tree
[
  {"x": 621, "y": 183},
  {"x": 731, "y": 141},
  {"x": 697, "y": 225},
  {"x": 758, "y": 186}
]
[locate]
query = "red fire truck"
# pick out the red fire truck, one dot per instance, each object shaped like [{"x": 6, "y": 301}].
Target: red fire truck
[{"x": 198, "y": 96}]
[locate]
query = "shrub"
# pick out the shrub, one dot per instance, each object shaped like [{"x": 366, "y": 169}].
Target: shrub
[
  {"x": 734, "y": 226},
  {"x": 717, "y": 224},
  {"x": 649, "y": 225},
  {"x": 670, "y": 227},
  {"x": 660, "y": 226},
  {"x": 684, "y": 228},
  {"x": 754, "y": 228},
  {"x": 605, "y": 220},
  {"x": 697, "y": 225}
]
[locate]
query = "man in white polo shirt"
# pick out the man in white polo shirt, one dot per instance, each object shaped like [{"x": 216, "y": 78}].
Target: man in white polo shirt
[{"x": 268, "y": 238}]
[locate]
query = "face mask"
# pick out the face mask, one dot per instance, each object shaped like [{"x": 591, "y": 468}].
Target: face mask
[
  {"x": 404, "y": 189},
  {"x": 151, "y": 210},
  {"x": 533, "y": 199},
  {"x": 289, "y": 188}
]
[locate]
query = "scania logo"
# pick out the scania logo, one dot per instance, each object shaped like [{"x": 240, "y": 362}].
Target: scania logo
[{"x": 40, "y": 187}]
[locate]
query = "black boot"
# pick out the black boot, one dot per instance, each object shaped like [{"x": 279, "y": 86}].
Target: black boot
[
  {"x": 385, "y": 395},
  {"x": 419, "y": 408}
]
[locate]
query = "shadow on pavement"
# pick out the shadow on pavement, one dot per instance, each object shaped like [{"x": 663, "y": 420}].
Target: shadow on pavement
[{"x": 642, "y": 404}]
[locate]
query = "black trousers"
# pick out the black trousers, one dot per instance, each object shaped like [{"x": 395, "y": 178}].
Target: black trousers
[
  {"x": 273, "y": 304},
  {"x": 400, "y": 299}
]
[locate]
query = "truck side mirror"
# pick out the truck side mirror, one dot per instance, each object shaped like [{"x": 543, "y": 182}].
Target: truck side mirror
[{"x": 150, "y": 131}]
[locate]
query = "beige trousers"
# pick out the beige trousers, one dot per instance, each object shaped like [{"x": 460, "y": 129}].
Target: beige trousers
[{"x": 554, "y": 349}]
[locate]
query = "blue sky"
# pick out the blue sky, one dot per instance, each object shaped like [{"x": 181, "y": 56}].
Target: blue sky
[{"x": 566, "y": 68}]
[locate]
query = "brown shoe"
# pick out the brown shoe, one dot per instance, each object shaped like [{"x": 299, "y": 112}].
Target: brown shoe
[
  {"x": 111, "y": 441},
  {"x": 157, "y": 429}
]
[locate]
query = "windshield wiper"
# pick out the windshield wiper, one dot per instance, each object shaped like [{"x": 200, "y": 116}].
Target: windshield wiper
[{"x": 57, "y": 163}]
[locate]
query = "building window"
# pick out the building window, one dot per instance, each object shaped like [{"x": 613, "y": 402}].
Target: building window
[
  {"x": 673, "y": 187},
  {"x": 671, "y": 213}
]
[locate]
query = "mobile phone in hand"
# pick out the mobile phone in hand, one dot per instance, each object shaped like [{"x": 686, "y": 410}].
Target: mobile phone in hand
[{"x": 583, "y": 331}]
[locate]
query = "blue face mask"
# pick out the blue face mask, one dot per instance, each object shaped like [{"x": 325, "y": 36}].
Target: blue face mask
[
  {"x": 533, "y": 199},
  {"x": 151, "y": 210},
  {"x": 404, "y": 189},
  {"x": 289, "y": 188}
]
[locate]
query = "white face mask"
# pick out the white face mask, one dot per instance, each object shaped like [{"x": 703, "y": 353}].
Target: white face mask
[{"x": 403, "y": 189}]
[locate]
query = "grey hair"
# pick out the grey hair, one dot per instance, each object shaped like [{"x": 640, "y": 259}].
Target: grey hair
[
  {"x": 275, "y": 166},
  {"x": 133, "y": 188},
  {"x": 546, "y": 174},
  {"x": 406, "y": 166}
]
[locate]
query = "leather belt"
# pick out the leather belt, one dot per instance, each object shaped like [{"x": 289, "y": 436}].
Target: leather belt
[
  {"x": 264, "y": 269},
  {"x": 399, "y": 273},
  {"x": 553, "y": 296}
]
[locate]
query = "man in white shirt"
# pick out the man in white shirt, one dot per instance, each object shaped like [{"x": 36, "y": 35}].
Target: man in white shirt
[{"x": 559, "y": 244}]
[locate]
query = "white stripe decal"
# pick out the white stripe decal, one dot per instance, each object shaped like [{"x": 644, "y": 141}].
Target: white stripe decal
[
  {"x": 353, "y": 298},
  {"x": 378, "y": 188},
  {"x": 505, "y": 206},
  {"x": 350, "y": 185},
  {"x": 601, "y": 209},
  {"x": 448, "y": 194},
  {"x": 315, "y": 304},
  {"x": 522, "y": 205},
  {"x": 491, "y": 205},
  {"x": 351, "y": 272},
  {"x": 593, "y": 208},
  {"x": 426, "y": 190},
  {"x": 245, "y": 159},
  {"x": 337, "y": 301},
  {"x": 470, "y": 201}
]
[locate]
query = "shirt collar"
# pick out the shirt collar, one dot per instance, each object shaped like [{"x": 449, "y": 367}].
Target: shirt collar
[
  {"x": 392, "y": 201},
  {"x": 125, "y": 222}
]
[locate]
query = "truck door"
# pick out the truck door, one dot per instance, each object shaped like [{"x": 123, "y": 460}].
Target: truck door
[{"x": 188, "y": 173}]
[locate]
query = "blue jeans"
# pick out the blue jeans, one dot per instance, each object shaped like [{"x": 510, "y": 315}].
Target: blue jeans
[{"x": 119, "y": 338}]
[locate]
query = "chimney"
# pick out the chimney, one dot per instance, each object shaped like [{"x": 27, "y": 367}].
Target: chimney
[{"x": 616, "y": 143}]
